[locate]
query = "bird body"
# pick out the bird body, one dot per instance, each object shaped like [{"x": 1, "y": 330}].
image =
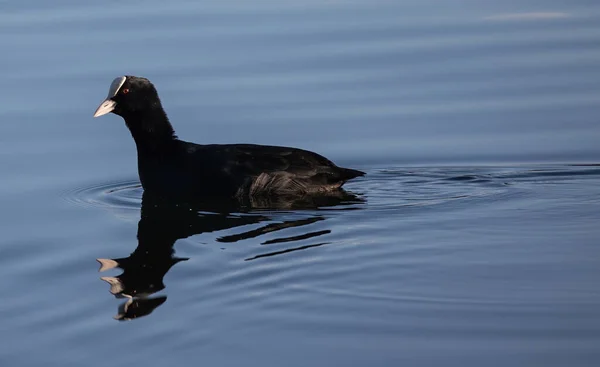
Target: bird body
[{"x": 173, "y": 167}]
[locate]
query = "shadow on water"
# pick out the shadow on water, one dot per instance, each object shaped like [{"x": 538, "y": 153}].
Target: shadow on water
[{"x": 162, "y": 223}]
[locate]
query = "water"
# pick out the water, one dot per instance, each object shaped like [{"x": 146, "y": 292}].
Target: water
[{"x": 472, "y": 240}]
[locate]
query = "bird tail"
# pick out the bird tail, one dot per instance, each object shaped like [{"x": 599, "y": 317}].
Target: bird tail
[{"x": 349, "y": 173}]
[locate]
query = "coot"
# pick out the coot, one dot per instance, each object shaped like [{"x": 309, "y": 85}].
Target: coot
[{"x": 173, "y": 167}]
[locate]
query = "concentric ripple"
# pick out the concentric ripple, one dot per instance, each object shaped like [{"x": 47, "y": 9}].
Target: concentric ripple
[
  {"x": 383, "y": 188},
  {"x": 428, "y": 187},
  {"x": 125, "y": 195}
]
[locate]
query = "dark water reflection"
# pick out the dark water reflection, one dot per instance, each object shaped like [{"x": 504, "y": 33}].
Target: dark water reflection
[
  {"x": 163, "y": 222},
  {"x": 478, "y": 263}
]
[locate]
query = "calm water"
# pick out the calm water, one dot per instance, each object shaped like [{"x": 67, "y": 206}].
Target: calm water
[{"x": 473, "y": 240}]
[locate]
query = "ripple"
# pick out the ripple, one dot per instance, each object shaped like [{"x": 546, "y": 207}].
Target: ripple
[
  {"x": 115, "y": 195},
  {"x": 383, "y": 189},
  {"x": 386, "y": 189},
  {"x": 433, "y": 187}
]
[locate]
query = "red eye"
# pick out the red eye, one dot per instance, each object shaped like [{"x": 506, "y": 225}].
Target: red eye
[{"x": 125, "y": 91}]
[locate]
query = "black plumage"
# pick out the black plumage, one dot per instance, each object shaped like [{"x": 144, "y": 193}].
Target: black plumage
[{"x": 170, "y": 166}]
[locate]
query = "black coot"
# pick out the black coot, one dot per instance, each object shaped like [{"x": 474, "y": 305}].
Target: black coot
[{"x": 172, "y": 167}]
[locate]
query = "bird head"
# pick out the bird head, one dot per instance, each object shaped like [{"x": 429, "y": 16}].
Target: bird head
[{"x": 129, "y": 95}]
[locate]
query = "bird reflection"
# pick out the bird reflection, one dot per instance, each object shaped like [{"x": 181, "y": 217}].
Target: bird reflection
[{"x": 162, "y": 223}]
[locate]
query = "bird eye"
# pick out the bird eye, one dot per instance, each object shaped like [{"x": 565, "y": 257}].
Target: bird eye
[{"x": 125, "y": 91}]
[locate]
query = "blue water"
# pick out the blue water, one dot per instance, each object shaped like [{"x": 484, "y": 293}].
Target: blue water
[{"x": 473, "y": 240}]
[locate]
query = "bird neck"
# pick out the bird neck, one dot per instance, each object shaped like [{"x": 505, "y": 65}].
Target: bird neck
[{"x": 151, "y": 130}]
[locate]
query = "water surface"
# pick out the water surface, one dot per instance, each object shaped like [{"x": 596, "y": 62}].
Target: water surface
[{"x": 473, "y": 239}]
